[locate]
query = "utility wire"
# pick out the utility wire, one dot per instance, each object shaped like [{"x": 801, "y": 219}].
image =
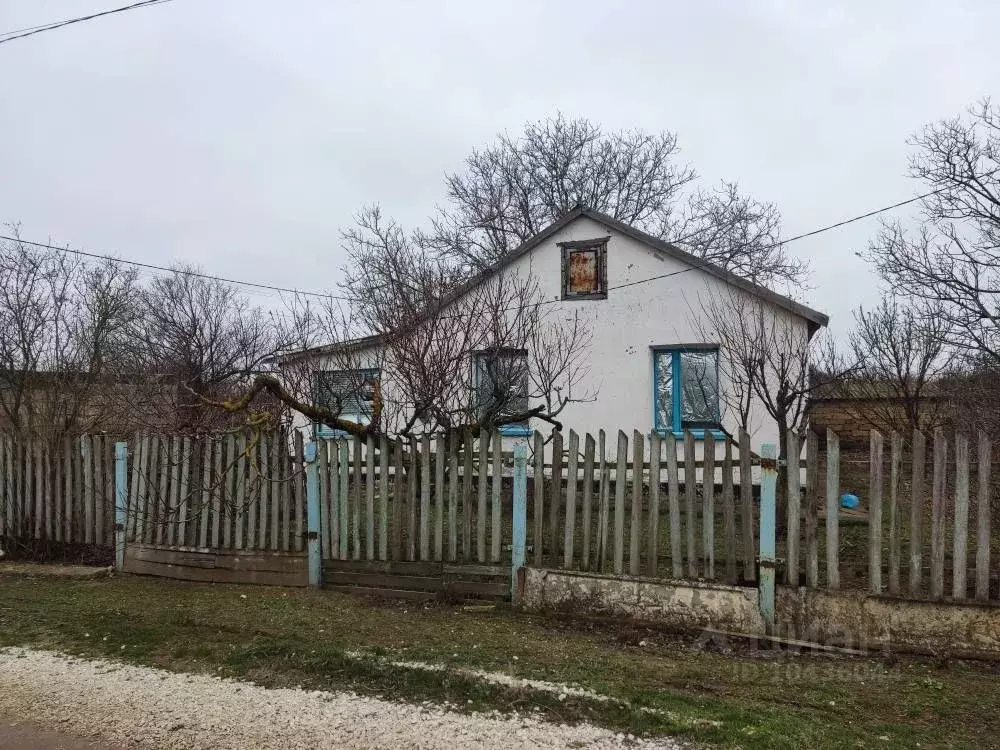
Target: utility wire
[
  {"x": 322, "y": 295},
  {"x": 10, "y": 36}
]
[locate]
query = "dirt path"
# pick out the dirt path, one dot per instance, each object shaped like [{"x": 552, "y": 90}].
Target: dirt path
[
  {"x": 25, "y": 737},
  {"x": 137, "y": 707}
]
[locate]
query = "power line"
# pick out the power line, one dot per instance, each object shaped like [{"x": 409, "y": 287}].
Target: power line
[
  {"x": 182, "y": 271},
  {"x": 10, "y": 36},
  {"x": 323, "y": 295}
]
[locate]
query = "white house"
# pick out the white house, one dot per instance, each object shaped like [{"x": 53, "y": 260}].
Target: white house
[{"x": 642, "y": 298}]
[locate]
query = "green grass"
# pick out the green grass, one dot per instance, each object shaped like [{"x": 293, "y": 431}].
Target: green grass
[{"x": 286, "y": 637}]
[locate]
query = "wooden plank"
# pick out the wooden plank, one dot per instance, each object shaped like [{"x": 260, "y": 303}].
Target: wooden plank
[
  {"x": 674, "y": 505},
  {"x": 895, "y": 460},
  {"x": 812, "y": 509},
  {"x": 256, "y": 493},
  {"x": 175, "y": 487},
  {"x": 690, "y": 503},
  {"x": 283, "y": 488},
  {"x": 468, "y": 499},
  {"x": 206, "y": 495},
  {"x": 793, "y": 474},
  {"x": 937, "y": 514},
  {"x": 108, "y": 456},
  {"x": 299, "y": 497},
  {"x": 653, "y": 542},
  {"x": 832, "y": 510},
  {"x": 746, "y": 510},
  {"x": 54, "y": 471},
  {"x": 983, "y": 498},
  {"x": 218, "y": 488},
  {"x": 588, "y": 499},
  {"x": 276, "y": 444},
  {"x": 620, "y": 482},
  {"x": 411, "y": 500},
  {"x": 453, "y": 490},
  {"x": 481, "y": 473},
  {"x": 398, "y": 502},
  {"x": 355, "y": 502},
  {"x": 538, "y": 497},
  {"x": 635, "y": 505},
  {"x": 329, "y": 513},
  {"x": 555, "y": 497},
  {"x": 242, "y": 494},
  {"x": 226, "y": 481},
  {"x": 370, "y": 497},
  {"x": 343, "y": 487},
  {"x": 496, "y": 484},
  {"x": 6, "y": 496},
  {"x": 708, "y": 504},
  {"x": 571, "y": 481},
  {"x": 604, "y": 514},
  {"x": 425, "y": 498},
  {"x": 86, "y": 448},
  {"x": 917, "y": 495},
  {"x": 49, "y": 500},
  {"x": 875, "y": 513},
  {"x": 383, "y": 498},
  {"x": 440, "y": 459},
  {"x": 960, "y": 538},
  {"x": 182, "y": 521},
  {"x": 729, "y": 513},
  {"x": 70, "y": 498}
]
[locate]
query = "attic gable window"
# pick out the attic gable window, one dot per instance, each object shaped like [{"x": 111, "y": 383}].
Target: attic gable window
[{"x": 585, "y": 269}]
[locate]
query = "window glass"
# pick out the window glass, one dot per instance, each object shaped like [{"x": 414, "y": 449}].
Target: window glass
[
  {"x": 351, "y": 392},
  {"x": 664, "y": 390},
  {"x": 699, "y": 388},
  {"x": 502, "y": 382}
]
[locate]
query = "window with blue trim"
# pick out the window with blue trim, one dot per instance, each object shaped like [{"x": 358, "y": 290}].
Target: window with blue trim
[
  {"x": 348, "y": 393},
  {"x": 501, "y": 386},
  {"x": 686, "y": 389}
]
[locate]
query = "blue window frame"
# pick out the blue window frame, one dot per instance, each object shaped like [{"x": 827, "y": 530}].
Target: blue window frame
[
  {"x": 686, "y": 390},
  {"x": 352, "y": 392}
]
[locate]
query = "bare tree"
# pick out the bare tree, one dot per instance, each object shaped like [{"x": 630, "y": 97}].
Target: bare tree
[
  {"x": 900, "y": 358},
  {"x": 514, "y": 188},
  {"x": 952, "y": 262},
  {"x": 62, "y": 327}
]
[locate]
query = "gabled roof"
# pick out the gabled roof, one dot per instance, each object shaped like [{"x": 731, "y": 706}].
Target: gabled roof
[{"x": 815, "y": 318}]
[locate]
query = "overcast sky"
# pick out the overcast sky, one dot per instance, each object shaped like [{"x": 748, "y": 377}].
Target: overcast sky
[{"x": 242, "y": 135}]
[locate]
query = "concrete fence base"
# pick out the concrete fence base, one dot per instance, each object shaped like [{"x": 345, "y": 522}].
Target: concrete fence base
[{"x": 842, "y": 618}]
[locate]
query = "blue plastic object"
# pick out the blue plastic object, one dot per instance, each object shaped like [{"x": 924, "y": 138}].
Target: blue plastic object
[{"x": 849, "y": 501}]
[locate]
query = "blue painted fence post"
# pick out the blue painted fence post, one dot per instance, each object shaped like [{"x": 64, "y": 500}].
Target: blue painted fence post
[
  {"x": 121, "y": 502},
  {"x": 520, "y": 520},
  {"x": 312, "y": 516},
  {"x": 768, "y": 515}
]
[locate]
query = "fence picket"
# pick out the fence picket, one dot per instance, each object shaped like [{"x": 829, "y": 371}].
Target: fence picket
[
  {"x": 398, "y": 502},
  {"x": 343, "y": 488},
  {"x": 603, "y": 516},
  {"x": 256, "y": 509},
  {"x": 182, "y": 521},
  {"x": 746, "y": 510},
  {"x": 468, "y": 499},
  {"x": 242, "y": 494},
  {"x": 588, "y": 499},
  {"x": 453, "y": 489},
  {"x": 425, "y": 498},
  {"x": 571, "y": 480},
  {"x": 653, "y": 543},
  {"x": 298, "y": 488},
  {"x": 355, "y": 501},
  {"x": 482, "y": 469},
  {"x": 218, "y": 498},
  {"x": 895, "y": 459},
  {"x": 937, "y": 514},
  {"x": 276, "y": 441},
  {"x": 916, "y": 509},
  {"x": 411, "y": 501},
  {"x": 875, "y": 513},
  {"x": 70, "y": 497},
  {"x": 440, "y": 458},
  {"x": 983, "y": 518},
  {"x": 329, "y": 541},
  {"x": 812, "y": 509},
  {"x": 635, "y": 497},
  {"x": 227, "y": 483},
  {"x": 48, "y": 504},
  {"x": 794, "y": 478},
  {"x": 708, "y": 504},
  {"x": 54, "y": 471},
  {"x": 370, "y": 498},
  {"x": 86, "y": 449},
  {"x": 729, "y": 512},
  {"x": 960, "y": 539},
  {"x": 206, "y": 494},
  {"x": 832, "y": 510},
  {"x": 620, "y": 473},
  {"x": 496, "y": 484},
  {"x": 175, "y": 484},
  {"x": 383, "y": 498},
  {"x": 555, "y": 496},
  {"x": 674, "y": 501},
  {"x": 690, "y": 502}
]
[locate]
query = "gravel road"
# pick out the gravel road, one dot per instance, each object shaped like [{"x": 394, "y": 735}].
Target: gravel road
[{"x": 138, "y": 707}]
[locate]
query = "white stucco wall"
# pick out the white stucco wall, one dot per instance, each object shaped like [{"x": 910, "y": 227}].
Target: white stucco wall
[{"x": 628, "y": 323}]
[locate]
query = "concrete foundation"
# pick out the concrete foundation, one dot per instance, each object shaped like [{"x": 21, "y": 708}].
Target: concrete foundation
[{"x": 842, "y": 618}]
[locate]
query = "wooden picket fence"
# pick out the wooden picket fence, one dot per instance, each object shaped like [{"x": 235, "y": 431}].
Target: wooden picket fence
[{"x": 57, "y": 491}]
